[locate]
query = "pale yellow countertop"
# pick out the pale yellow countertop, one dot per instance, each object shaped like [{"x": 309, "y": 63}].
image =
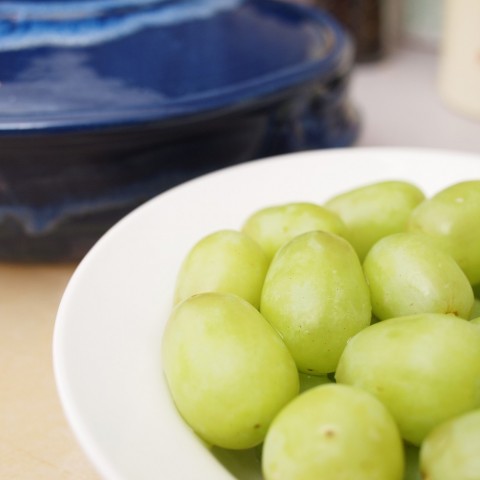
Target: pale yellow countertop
[{"x": 36, "y": 442}]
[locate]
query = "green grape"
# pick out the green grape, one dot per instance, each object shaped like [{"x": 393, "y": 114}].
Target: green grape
[
  {"x": 273, "y": 226},
  {"x": 451, "y": 218},
  {"x": 475, "y": 321},
  {"x": 228, "y": 371},
  {"x": 425, "y": 368},
  {"x": 333, "y": 432},
  {"x": 315, "y": 295},
  {"x": 225, "y": 261},
  {"x": 374, "y": 211},
  {"x": 451, "y": 450},
  {"x": 408, "y": 274}
]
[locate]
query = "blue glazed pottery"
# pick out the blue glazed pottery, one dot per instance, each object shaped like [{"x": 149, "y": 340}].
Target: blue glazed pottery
[{"x": 106, "y": 103}]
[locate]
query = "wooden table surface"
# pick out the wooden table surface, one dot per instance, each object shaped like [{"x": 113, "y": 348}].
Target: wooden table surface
[{"x": 36, "y": 442}]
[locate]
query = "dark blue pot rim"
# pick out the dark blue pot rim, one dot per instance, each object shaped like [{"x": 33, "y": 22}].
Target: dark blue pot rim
[{"x": 337, "y": 60}]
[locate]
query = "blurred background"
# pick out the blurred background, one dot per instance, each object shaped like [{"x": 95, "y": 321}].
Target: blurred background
[{"x": 105, "y": 104}]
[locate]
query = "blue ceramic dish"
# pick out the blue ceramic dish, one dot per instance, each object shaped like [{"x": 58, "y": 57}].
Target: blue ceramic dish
[{"x": 106, "y": 103}]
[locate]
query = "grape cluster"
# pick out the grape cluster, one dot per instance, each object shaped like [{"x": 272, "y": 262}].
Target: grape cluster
[{"x": 336, "y": 337}]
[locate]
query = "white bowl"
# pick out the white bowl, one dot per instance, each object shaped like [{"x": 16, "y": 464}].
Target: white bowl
[{"x": 110, "y": 321}]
